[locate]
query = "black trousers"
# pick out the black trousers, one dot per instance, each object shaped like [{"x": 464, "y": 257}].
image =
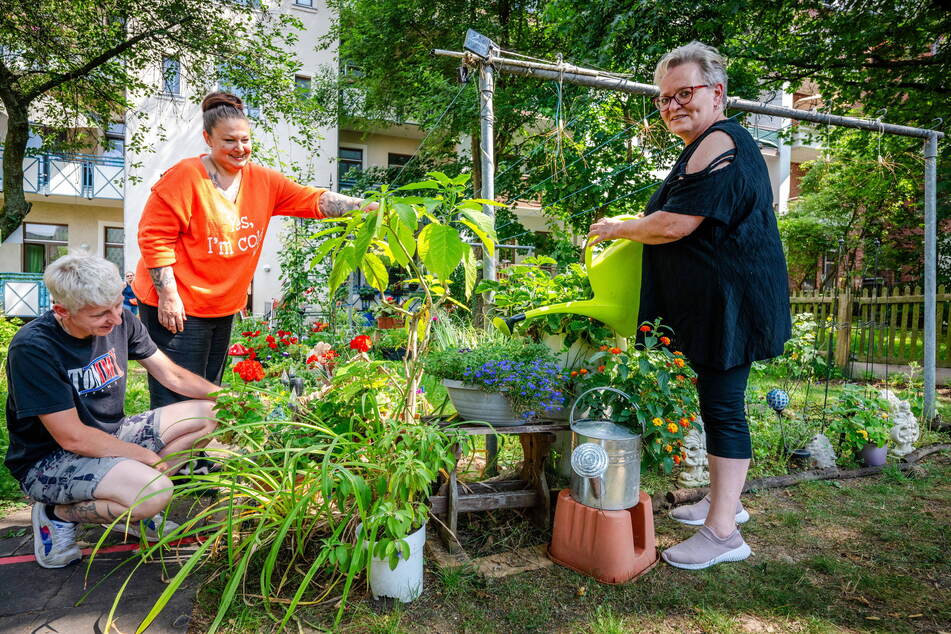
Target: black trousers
[
  {"x": 202, "y": 348},
  {"x": 723, "y": 408}
]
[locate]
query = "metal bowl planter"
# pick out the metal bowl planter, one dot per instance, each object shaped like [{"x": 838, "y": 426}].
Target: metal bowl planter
[{"x": 475, "y": 404}]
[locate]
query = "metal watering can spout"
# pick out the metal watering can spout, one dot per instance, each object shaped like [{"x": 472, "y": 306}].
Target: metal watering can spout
[{"x": 615, "y": 276}]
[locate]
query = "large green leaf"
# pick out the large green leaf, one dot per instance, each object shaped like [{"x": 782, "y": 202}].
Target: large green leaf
[
  {"x": 469, "y": 267},
  {"x": 375, "y": 271},
  {"x": 486, "y": 237},
  {"x": 324, "y": 249},
  {"x": 419, "y": 185},
  {"x": 402, "y": 243},
  {"x": 343, "y": 266},
  {"x": 407, "y": 215},
  {"x": 441, "y": 249}
]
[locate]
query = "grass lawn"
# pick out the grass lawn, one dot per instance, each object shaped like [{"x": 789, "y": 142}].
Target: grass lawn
[{"x": 857, "y": 555}]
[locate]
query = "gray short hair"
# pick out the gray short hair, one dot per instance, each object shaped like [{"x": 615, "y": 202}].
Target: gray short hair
[
  {"x": 711, "y": 63},
  {"x": 76, "y": 281}
]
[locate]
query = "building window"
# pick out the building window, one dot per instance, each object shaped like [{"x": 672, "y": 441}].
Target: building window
[
  {"x": 347, "y": 159},
  {"x": 302, "y": 86},
  {"x": 42, "y": 244},
  {"x": 304, "y": 3},
  {"x": 397, "y": 160},
  {"x": 113, "y": 247},
  {"x": 250, "y": 109},
  {"x": 115, "y": 140},
  {"x": 171, "y": 76}
]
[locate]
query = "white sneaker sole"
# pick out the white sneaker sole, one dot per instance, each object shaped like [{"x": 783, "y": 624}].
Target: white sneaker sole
[
  {"x": 741, "y": 518},
  {"x": 737, "y": 554}
]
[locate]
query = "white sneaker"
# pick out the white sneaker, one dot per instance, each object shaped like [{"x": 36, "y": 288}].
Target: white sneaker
[
  {"x": 54, "y": 542},
  {"x": 154, "y": 528},
  {"x": 696, "y": 514}
]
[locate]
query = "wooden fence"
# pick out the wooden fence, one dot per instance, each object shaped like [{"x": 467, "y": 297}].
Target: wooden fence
[{"x": 880, "y": 325}]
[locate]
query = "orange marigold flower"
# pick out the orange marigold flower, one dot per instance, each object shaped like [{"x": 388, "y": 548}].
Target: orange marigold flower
[
  {"x": 677, "y": 459},
  {"x": 600, "y": 368},
  {"x": 657, "y": 422},
  {"x": 679, "y": 363},
  {"x": 665, "y": 341},
  {"x": 672, "y": 428},
  {"x": 668, "y": 448},
  {"x": 615, "y": 351},
  {"x": 583, "y": 371},
  {"x": 684, "y": 422},
  {"x": 574, "y": 373},
  {"x": 678, "y": 353},
  {"x": 645, "y": 328}
]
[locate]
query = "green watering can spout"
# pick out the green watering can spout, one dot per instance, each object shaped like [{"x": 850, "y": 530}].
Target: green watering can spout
[{"x": 615, "y": 276}]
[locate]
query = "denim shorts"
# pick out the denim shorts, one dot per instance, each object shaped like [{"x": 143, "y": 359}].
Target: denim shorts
[{"x": 64, "y": 477}]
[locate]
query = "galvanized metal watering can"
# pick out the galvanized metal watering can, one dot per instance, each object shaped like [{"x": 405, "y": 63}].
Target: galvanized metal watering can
[
  {"x": 615, "y": 276},
  {"x": 606, "y": 460}
]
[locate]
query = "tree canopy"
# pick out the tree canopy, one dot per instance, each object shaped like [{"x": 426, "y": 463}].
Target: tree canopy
[{"x": 87, "y": 63}]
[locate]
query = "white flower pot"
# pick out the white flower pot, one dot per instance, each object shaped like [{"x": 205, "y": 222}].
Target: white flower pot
[
  {"x": 405, "y": 582},
  {"x": 475, "y": 404}
]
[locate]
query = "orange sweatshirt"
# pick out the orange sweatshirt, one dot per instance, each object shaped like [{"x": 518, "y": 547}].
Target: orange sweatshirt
[{"x": 212, "y": 244}]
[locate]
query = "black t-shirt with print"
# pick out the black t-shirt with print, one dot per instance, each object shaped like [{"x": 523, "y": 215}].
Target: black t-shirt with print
[{"x": 50, "y": 371}]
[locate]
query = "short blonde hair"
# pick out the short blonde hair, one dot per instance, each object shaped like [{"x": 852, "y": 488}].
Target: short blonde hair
[
  {"x": 711, "y": 63},
  {"x": 77, "y": 280}
]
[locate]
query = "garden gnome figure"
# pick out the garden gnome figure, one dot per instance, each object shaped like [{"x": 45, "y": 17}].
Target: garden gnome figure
[
  {"x": 905, "y": 431},
  {"x": 694, "y": 472},
  {"x": 822, "y": 455}
]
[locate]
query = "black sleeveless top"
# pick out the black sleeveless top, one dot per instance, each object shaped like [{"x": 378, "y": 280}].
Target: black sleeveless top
[{"x": 724, "y": 288}]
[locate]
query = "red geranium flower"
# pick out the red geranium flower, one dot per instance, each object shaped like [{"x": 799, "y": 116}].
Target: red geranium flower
[
  {"x": 270, "y": 339},
  {"x": 249, "y": 370},
  {"x": 645, "y": 328},
  {"x": 272, "y": 345},
  {"x": 237, "y": 350},
  {"x": 615, "y": 351},
  {"x": 600, "y": 368},
  {"x": 362, "y": 343}
]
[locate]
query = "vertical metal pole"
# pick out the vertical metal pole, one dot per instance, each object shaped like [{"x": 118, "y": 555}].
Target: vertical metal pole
[
  {"x": 487, "y": 149},
  {"x": 931, "y": 264}
]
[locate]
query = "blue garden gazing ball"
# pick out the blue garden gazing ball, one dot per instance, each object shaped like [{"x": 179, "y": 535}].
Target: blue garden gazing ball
[{"x": 777, "y": 399}]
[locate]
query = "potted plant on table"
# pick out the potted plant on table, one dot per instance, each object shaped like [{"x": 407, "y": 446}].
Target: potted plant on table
[
  {"x": 502, "y": 381},
  {"x": 861, "y": 424},
  {"x": 388, "y": 313},
  {"x": 662, "y": 384}
]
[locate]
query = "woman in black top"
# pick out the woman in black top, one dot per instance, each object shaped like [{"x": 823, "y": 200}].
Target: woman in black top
[{"x": 714, "y": 270}]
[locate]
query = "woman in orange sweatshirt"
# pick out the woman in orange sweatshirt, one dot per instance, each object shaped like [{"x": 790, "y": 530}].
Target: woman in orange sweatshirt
[{"x": 201, "y": 234}]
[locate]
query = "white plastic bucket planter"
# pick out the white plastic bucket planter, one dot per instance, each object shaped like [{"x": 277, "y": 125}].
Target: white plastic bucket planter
[{"x": 405, "y": 582}]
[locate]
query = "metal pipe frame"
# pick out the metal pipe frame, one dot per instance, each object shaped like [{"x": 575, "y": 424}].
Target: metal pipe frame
[{"x": 608, "y": 81}]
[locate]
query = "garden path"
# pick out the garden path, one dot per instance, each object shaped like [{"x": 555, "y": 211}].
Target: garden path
[{"x": 33, "y": 599}]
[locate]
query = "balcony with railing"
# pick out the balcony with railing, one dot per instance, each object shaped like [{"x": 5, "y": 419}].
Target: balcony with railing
[{"x": 84, "y": 175}]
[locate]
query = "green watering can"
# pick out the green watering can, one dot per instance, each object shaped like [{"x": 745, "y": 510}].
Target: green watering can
[{"x": 615, "y": 276}]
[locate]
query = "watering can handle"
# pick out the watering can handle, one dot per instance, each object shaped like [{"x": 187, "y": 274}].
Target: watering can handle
[
  {"x": 589, "y": 247},
  {"x": 571, "y": 417}
]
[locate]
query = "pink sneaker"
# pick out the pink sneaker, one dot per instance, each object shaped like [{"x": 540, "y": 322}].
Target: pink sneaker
[
  {"x": 705, "y": 549},
  {"x": 696, "y": 514}
]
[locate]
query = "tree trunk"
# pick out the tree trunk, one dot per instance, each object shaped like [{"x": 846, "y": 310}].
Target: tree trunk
[
  {"x": 843, "y": 339},
  {"x": 15, "y": 205}
]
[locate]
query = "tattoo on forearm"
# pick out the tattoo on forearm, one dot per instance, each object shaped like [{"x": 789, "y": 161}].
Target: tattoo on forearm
[
  {"x": 334, "y": 205},
  {"x": 91, "y": 513},
  {"x": 163, "y": 278}
]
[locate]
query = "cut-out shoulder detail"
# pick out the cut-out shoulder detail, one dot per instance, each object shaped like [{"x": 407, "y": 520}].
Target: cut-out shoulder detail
[{"x": 711, "y": 152}]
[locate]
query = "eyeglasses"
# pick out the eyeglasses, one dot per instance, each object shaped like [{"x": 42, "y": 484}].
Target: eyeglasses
[{"x": 682, "y": 97}]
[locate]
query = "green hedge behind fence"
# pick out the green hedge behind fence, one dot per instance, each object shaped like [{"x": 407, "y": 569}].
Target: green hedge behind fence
[{"x": 887, "y": 325}]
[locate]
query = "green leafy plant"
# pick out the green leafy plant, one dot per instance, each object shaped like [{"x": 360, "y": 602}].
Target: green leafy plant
[
  {"x": 527, "y": 373},
  {"x": 661, "y": 384},
  {"x": 533, "y": 283},
  {"x": 859, "y": 417}
]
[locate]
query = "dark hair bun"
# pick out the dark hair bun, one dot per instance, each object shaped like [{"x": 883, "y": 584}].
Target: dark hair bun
[{"x": 218, "y": 99}]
